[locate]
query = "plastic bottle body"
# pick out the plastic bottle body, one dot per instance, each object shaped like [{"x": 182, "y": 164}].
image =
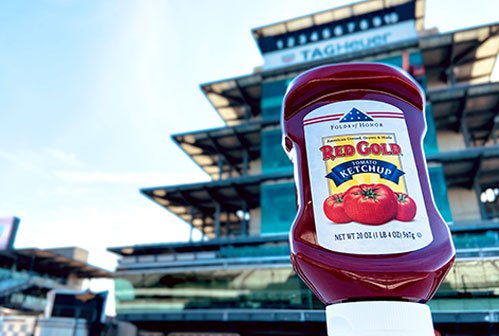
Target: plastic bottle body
[{"x": 336, "y": 276}]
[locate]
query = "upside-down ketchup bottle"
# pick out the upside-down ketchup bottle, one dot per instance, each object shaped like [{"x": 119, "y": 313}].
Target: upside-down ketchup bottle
[{"x": 367, "y": 239}]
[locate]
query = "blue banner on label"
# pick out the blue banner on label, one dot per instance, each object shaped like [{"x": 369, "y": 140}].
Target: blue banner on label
[{"x": 345, "y": 171}]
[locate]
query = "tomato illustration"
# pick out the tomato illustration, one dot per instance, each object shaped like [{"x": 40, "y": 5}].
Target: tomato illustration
[
  {"x": 334, "y": 211},
  {"x": 406, "y": 210},
  {"x": 372, "y": 204}
]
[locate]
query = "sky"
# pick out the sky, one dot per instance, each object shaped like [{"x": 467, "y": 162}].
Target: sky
[{"x": 90, "y": 92}]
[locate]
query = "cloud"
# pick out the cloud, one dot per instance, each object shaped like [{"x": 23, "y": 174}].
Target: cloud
[
  {"x": 26, "y": 161},
  {"x": 69, "y": 159},
  {"x": 39, "y": 161},
  {"x": 139, "y": 178},
  {"x": 98, "y": 227}
]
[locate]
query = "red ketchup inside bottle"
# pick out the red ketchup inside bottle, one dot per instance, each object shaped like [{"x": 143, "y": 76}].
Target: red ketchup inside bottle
[{"x": 368, "y": 239}]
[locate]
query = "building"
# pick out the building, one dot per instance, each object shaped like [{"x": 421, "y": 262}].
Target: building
[
  {"x": 238, "y": 278},
  {"x": 43, "y": 291},
  {"x": 27, "y": 275}
]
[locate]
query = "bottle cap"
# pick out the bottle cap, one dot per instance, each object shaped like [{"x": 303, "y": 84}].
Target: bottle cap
[{"x": 379, "y": 318}]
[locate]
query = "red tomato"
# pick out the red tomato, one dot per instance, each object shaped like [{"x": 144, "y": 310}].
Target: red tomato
[
  {"x": 406, "y": 207},
  {"x": 333, "y": 209},
  {"x": 372, "y": 204}
]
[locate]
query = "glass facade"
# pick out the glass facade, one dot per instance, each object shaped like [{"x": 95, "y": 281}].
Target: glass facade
[
  {"x": 430, "y": 143},
  {"x": 278, "y": 205},
  {"x": 13, "y": 282},
  {"x": 272, "y": 94},
  {"x": 266, "y": 288},
  {"x": 268, "y": 250},
  {"x": 439, "y": 190},
  {"x": 280, "y": 288},
  {"x": 483, "y": 239},
  {"x": 7, "y": 274},
  {"x": 273, "y": 156}
]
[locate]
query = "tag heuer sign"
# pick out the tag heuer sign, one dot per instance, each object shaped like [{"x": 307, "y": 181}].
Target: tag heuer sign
[{"x": 355, "y": 33}]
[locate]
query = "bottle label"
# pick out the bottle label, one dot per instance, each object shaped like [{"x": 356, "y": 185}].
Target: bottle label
[{"x": 366, "y": 191}]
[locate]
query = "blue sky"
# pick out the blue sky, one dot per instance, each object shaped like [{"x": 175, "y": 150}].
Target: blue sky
[{"x": 91, "y": 90}]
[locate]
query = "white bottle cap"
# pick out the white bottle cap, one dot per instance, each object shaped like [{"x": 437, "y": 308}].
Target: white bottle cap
[{"x": 379, "y": 318}]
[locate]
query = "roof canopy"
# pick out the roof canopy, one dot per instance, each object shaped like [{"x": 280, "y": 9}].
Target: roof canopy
[
  {"x": 464, "y": 168},
  {"x": 475, "y": 106},
  {"x": 462, "y": 56},
  {"x": 472, "y": 106},
  {"x": 236, "y": 98},
  {"x": 197, "y": 203},
  {"x": 49, "y": 263},
  {"x": 224, "y": 148},
  {"x": 201, "y": 246},
  {"x": 472, "y": 227},
  {"x": 467, "y": 55}
]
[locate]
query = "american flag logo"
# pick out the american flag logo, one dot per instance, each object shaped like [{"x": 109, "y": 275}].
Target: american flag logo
[{"x": 354, "y": 115}]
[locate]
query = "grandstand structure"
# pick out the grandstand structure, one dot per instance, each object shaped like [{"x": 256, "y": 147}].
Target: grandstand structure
[
  {"x": 28, "y": 274},
  {"x": 238, "y": 279}
]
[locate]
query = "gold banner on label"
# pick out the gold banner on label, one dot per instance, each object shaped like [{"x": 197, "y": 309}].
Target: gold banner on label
[{"x": 345, "y": 148}]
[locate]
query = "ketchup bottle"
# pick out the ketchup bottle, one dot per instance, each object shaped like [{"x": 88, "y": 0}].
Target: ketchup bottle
[{"x": 367, "y": 239}]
